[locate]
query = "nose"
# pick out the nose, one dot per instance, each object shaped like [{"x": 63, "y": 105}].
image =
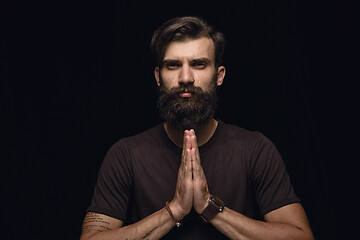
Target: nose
[{"x": 186, "y": 75}]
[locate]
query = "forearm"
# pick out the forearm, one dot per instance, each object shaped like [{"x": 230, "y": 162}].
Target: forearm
[
  {"x": 237, "y": 226},
  {"x": 152, "y": 227}
]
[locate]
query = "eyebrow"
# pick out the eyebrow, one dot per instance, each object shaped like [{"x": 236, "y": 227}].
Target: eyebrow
[
  {"x": 206, "y": 60},
  {"x": 168, "y": 61}
]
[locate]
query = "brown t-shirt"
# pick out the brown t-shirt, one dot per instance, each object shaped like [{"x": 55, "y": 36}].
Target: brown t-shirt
[{"x": 242, "y": 168}]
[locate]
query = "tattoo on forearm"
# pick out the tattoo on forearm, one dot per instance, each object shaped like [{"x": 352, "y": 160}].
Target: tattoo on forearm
[
  {"x": 94, "y": 223},
  {"x": 147, "y": 234}
]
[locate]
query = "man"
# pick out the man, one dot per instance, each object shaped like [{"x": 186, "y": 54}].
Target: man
[{"x": 210, "y": 179}]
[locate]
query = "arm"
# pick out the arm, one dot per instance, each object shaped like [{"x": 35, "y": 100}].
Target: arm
[
  {"x": 99, "y": 226},
  {"x": 288, "y": 222}
]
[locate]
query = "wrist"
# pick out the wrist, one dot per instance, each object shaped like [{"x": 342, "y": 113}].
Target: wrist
[
  {"x": 205, "y": 205},
  {"x": 177, "y": 211},
  {"x": 215, "y": 206}
]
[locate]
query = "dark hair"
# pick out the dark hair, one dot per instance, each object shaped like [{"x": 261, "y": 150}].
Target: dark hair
[{"x": 182, "y": 28}]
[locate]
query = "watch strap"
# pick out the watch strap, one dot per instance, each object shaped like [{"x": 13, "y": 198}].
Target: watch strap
[{"x": 215, "y": 206}]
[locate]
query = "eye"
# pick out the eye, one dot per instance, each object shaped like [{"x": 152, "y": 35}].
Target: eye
[
  {"x": 199, "y": 65},
  {"x": 172, "y": 65}
]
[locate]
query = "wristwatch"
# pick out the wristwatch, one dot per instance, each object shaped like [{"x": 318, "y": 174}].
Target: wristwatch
[{"x": 215, "y": 206}]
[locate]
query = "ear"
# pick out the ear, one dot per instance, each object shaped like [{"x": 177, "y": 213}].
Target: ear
[
  {"x": 157, "y": 75},
  {"x": 220, "y": 75}
]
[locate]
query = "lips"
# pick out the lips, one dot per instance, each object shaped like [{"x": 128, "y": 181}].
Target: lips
[{"x": 185, "y": 94}]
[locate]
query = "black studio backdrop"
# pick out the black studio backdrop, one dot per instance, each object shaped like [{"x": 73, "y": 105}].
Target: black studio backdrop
[{"x": 78, "y": 76}]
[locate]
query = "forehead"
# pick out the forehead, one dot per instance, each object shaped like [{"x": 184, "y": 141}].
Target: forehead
[{"x": 191, "y": 48}]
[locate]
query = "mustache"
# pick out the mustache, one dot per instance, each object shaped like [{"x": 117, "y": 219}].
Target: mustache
[{"x": 175, "y": 91}]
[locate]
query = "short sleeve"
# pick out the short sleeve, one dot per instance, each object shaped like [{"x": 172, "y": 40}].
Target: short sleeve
[
  {"x": 113, "y": 188},
  {"x": 270, "y": 179}
]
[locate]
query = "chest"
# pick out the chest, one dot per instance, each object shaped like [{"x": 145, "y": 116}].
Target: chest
[{"x": 226, "y": 171}]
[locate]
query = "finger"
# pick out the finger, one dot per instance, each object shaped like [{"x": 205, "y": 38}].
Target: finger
[
  {"x": 193, "y": 142},
  {"x": 196, "y": 167},
  {"x": 198, "y": 171},
  {"x": 190, "y": 139},
  {"x": 200, "y": 182},
  {"x": 187, "y": 167},
  {"x": 194, "y": 145},
  {"x": 185, "y": 146},
  {"x": 184, "y": 142}
]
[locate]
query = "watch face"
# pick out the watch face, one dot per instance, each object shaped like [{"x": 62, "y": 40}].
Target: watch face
[{"x": 217, "y": 200}]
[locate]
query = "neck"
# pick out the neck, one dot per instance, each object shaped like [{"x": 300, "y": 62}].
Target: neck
[{"x": 203, "y": 134}]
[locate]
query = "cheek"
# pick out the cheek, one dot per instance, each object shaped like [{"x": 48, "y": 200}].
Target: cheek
[
  {"x": 175, "y": 79},
  {"x": 168, "y": 79},
  {"x": 204, "y": 80},
  {"x": 198, "y": 79}
]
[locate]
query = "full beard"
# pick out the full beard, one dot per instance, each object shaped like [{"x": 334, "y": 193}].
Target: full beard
[{"x": 187, "y": 113}]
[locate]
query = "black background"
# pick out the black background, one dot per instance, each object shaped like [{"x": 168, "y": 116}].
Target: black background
[{"x": 78, "y": 76}]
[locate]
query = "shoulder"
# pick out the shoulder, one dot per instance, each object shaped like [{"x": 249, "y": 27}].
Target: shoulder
[
  {"x": 124, "y": 151},
  {"x": 240, "y": 139},
  {"x": 233, "y": 133},
  {"x": 145, "y": 139}
]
